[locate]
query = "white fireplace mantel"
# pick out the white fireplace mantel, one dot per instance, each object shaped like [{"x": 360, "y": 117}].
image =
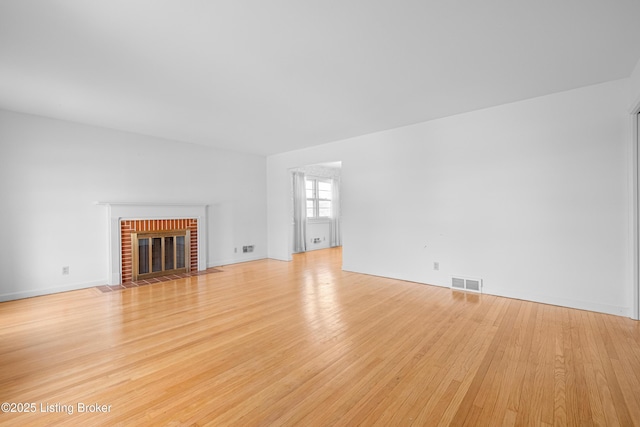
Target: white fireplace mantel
[{"x": 118, "y": 211}]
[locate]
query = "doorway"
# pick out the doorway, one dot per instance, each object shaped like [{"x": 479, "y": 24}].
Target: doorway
[
  {"x": 636, "y": 211},
  {"x": 316, "y": 209}
]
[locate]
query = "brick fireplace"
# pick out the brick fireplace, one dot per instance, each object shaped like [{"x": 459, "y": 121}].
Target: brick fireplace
[
  {"x": 128, "y": 227},
  {"x": 127, "y": 218}
]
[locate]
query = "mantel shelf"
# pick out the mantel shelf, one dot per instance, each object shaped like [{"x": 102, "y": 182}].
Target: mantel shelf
[{"x": 147, "y": 204}]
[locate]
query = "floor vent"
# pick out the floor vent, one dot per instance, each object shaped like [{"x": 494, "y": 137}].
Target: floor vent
[{"x": 466, "y": 284}]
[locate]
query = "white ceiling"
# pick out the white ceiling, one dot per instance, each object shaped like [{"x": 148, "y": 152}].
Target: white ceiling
[{"x": 271, "y": 76}]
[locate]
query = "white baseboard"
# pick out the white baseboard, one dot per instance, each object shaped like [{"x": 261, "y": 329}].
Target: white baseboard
[
  {"x": 218, "y": 263},
  {"x": 47, "y": 291},
  {"x": 562, "y": 302},
  {"x": 74, "y": 287},
  {"x": 525, "y": 296}
]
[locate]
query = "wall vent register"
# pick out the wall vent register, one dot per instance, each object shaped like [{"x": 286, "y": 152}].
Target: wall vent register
[{"x": 466, "y": 284}]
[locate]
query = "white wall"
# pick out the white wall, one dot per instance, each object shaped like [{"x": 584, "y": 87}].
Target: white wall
[
  {"x": 52, "y": 172},
  {"x": 532, "y": 197},
  {"x": 320, "y": 229}
]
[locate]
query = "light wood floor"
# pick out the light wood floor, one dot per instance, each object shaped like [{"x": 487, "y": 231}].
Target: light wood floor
[{"x": 306, "y": 344}]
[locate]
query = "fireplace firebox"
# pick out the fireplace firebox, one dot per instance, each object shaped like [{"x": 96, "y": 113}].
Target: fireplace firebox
[
  {"x": 160, "y": 253},
  {"x": 153, "y": 248}
]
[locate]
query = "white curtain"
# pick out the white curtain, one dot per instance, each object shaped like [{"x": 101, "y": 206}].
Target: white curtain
[
  {"x": 336, "y": 230},
  {"x": 299, "y": 213}
]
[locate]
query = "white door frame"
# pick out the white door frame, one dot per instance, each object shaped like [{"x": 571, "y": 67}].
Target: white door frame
[{"x": 635, "y": 200}]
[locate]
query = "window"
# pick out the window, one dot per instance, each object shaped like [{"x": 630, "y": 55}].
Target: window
[{"x": 318, "y": 198}]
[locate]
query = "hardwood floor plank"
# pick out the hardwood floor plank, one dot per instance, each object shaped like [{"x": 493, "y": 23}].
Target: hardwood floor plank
[
  {"x": 520, "y": 396},
  {"x": 467, "y": 411},
  {"x": 440, "y": 363},
  {"x": 559, "y": 417},
  {"x": 627, "y": 375},
  {"x": 592, "y": 374},
  {"x": 304, "y": 343},
  {"x": 617, "y": 406},
  {"x": 453, "y": 363}
]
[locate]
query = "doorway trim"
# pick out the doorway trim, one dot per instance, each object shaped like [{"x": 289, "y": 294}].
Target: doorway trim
[{"x": 635, "y": 205}]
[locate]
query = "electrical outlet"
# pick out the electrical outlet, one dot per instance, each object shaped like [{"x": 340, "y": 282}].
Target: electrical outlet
[
  {"x": 65, "y": 270},
  {"x": 235, "y": 250},
  {"x": 436, "y": 266}
]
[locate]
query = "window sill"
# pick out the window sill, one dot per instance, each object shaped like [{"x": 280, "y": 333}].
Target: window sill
[{"x": 325, "y": 220}]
